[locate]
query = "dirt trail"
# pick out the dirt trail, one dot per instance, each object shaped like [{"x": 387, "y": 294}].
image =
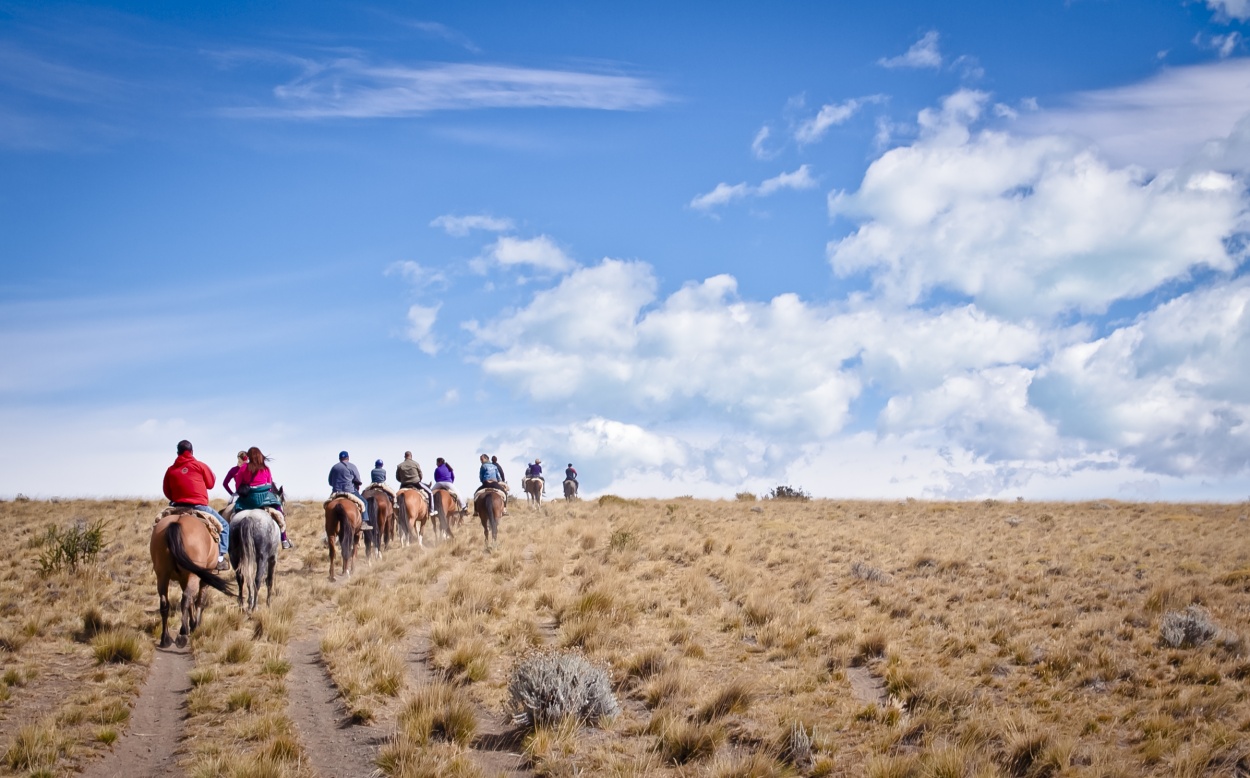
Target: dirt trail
[
  {"x": 866, "y": 687},
  {"x": 336, "y": 747},
  {"x": 149, "y": 747}
]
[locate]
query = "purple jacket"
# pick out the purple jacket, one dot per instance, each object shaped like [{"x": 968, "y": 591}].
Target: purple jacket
[{"x": 445, "y": 474}]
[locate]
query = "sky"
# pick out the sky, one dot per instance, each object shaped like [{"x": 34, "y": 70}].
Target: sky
[{"x": 952, "y": 250}]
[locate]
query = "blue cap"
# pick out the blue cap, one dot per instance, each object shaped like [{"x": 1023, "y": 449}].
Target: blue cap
[
  {"x": 377, "y": 463},
  {"x": 342, "y": 455}
]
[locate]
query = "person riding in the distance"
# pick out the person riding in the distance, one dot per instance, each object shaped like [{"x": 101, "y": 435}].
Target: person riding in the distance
[
  {"x": 344, "y": 477},
  {"x": 186, "y": 485},
  {"x": 570, "y": 474},
  {"x": 489, "y": 475},
  {"x": 495, "y": 461},
  {"x": 536, "y": 471},
  {"x": 377, "y": 478},
  {"x": 255, "y": 483}
]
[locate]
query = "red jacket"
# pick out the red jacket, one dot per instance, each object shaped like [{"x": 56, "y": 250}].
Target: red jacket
[{"x": 188, "y": 480}]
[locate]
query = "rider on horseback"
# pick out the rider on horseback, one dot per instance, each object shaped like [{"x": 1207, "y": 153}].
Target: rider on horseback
[
  {"x": 408, "y": 473},
  {"x": 536, "y": 471},
  {"x": 491, "y": 478},
  {"x": 377, "y": 479},
  {"x": 186, "y": 485},
  {"x": 255, "y": 484},
  {"x": 570, "y": 474},
  {"x": 345, "y": 478},
  {"x": 444, "y": 478}
]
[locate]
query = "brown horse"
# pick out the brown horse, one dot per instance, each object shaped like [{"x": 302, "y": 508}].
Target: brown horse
[
  {"x": 414, "y": 510},
  {"x": 488, "y": 505},
  {"x": 343, "y": 520},
  {"x": 383, "y": 521},
  {"x": 448, "y": 511},
  {"x": 183, "y": 548},
  {"x": 570, "y": 490},
  {"x": 534, "y": 490}
]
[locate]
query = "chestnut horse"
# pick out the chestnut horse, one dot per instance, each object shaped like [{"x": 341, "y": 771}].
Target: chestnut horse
[
  {"x": 488, "y": 505},
  {"x": 343, "y": 520},
  {"x": 414, "y": 511},
  {"x": 183, "y": 548},
  {"x": 383, "y": 521},
  {"x": 448, "y": 512},
  {"x": 534, "y": 490}
]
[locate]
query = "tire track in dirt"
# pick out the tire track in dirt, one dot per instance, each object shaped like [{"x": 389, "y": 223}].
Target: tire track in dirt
[
  {"x": 496, "y": 748},
  {"x": 336, "y": 747},
  {"x": 149, "y": 748}
]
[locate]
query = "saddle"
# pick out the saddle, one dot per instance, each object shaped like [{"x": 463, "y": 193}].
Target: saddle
[
  {"x": 359, "y": 502},
  {"x": 207, "y": 520},
  {"x": 380, "y": 487},
  {"x": 425, "y": 494}
]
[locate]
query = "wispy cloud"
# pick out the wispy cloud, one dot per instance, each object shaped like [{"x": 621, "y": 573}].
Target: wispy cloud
[
  {"x": 923, "y": 53},
  {"x": 830, "y": 115},
  {"x": 416, "y": 273},
  {"x": 1230, "y": 9},
  {"x": 726, "y": 193},
  {"x": 443, "y": 32},
  {"x": 459, "y": 226},
  {"x": 420, "y": 330},
  {"x": 350, "y": 87},
  {"x": 540, "y": 253},
  {"x": 759, "y": 144}
]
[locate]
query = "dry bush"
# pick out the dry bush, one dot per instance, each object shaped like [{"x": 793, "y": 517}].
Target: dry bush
[
  {"x": 548, "y": 687},
  {"x": 1188, "y": 628}
]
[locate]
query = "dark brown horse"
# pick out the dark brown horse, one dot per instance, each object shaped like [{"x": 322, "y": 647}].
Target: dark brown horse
[
  {"x": 448, "y": 511},
  {"x": 383, "y": 521},
  {"x": 488, "y": 505},
  {"x": 414, "y": 511},
  {"x": 343, "y": 520},
  {"x": 534, "y": 490},
  {"x": 183, "y": 549},
  {"x": 570, "y": 490}
]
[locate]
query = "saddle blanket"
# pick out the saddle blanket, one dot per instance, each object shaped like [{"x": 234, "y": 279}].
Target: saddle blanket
[
  {"x": 359, "y": 502},
  {"x": 382, "y": 487},
  {"x": 274, "y": 514},
  {"x": 214, "y": 528}
]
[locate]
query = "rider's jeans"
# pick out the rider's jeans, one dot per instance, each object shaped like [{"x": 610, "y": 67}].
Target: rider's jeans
[{"x": 224, "y": 546}]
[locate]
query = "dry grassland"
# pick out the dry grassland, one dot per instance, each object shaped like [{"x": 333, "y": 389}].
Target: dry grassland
[{"x": 742, "y": 639}]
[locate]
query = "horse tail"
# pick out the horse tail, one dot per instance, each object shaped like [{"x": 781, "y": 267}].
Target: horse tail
[
  {"x": 178, "y": 550},
  {"x": 347, "y": 538},
  {"x": 247, "y": 551}
]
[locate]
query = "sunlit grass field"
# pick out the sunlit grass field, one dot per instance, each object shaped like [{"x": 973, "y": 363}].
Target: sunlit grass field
[{"x": 743, "y": 638}]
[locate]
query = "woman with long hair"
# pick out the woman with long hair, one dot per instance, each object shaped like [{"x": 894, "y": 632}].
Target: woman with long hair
[{"x": 256, "y": 490}]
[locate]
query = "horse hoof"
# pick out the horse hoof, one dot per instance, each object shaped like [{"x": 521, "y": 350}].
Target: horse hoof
[
  {"x": 181, "y": 642},
  {"x": 165, "y": 642}
]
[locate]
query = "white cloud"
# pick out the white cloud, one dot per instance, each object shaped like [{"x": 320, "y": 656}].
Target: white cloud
[
  {"x": 830, "y": 115},
  {"x": 459, "y": 226},
  {"x": 349, "y": 87},
  {"x": 922, "y": 54},
  {"x": 726, "y": 193},
  {"x": 421, "y": 325},
  {"x": 1225, "y": 45},
  {"x": 1230, "y": 9},
  {"x": 540, "y": 253},
  {"x": 759, "y": 144},
  {"x": 415, "y": 273},
  {"x": 1160, "y": 122},
  {"x": 1168, "y": 390},
  {"x": 1027, "y": 226}
]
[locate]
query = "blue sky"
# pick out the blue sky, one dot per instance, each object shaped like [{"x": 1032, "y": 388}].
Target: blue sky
[{"x": 900, "y": 249}]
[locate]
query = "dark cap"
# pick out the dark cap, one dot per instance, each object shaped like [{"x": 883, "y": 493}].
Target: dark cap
[
  {"x": 184, "y": 446},
  {"x": 342, "y": 455},
  {"x": 377, "y": 463}
]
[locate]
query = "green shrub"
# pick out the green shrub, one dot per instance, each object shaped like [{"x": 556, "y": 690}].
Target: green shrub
[
  {"x": 789, "y": 493},
  {"x": 71, "y": 548}
]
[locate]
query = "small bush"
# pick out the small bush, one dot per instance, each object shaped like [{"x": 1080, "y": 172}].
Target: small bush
[
  {"x": 744, "y": 497},
  {"x": 548, "y": 687},
  {"x": 789, "y": 493},
  {"x": 1187, "y": 628},
  {"x": 682, "y": 741},
  {"x": 69, "y": 549},
  {"x": 866, "y": 572},
  {"x": 734, "y": 698},
  {"x": 117, "y": 647}
]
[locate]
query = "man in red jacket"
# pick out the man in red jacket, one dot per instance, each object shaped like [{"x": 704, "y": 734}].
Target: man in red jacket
[{"x": 187, "y": 482}]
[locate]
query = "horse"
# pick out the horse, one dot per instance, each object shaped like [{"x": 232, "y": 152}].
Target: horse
[
  {"x": 254, "y": 544},
  {"x": 534, "y": 490},
  {"x": 488, "y": 505},
  {"x": 448, "y": 512},
  {"x": 570, "y": 490},
  {"x": 183, "y": 548},
  {"x": 343, "y": 520},
  {"x": 383, "y": 522},
  {"x": 414, "y": 510}
]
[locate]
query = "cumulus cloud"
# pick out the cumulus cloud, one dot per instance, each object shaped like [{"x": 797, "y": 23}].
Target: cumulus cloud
[
  {"x": 923, "y": 53},
  {"x": 421, "y": 327},
  {"x": 832, "y": 114},
  {"x": 726, "y": 193},
  {"x": 1230, "y": 9},
  {"x": 460, "y": 226},
  {"x": 541, "y": 254},
  {"x": 351, "y": 87},
  {"x": 1168, "y": 390},
  {"x": 602, "y": 342},
  {"x": 1034, "y": 226}
]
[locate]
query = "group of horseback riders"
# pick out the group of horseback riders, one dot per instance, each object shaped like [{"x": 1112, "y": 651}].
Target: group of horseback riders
[{"x": 188, "y": 480}]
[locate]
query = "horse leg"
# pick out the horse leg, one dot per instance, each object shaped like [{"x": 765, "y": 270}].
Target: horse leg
[
  {"x": 190, "y": 593},
  {"x": 162, "y": 589},
  {"x": 273, "y": 563},
  {"x": 262, "y": 566},
  {"x": 330, "y": 545}
]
